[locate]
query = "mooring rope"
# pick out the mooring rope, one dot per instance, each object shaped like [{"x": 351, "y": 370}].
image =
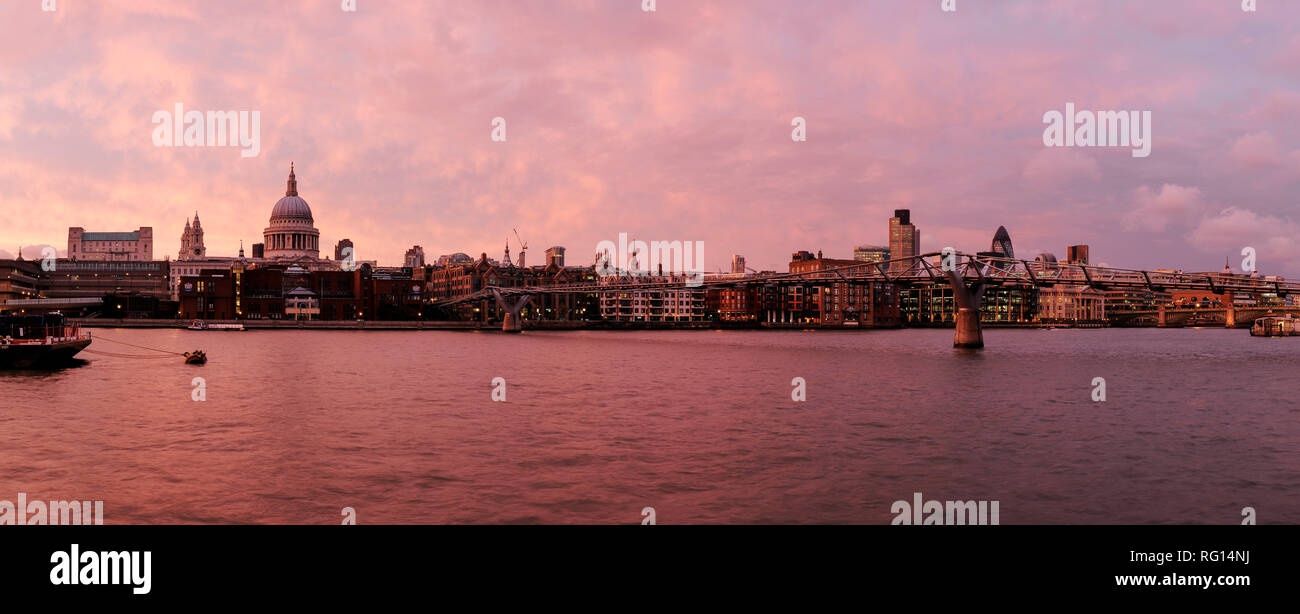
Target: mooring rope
[
  {"x": 114, "y": 355},
  {"x": 98, "y": 337}
]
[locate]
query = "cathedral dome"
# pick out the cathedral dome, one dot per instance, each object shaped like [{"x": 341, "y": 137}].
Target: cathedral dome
[
  {"x": 291, "y": 233},
  {"x": 291, "y": 206}
]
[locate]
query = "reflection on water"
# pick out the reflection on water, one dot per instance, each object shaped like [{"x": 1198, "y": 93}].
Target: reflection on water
[
  {"x": 44, "y": 370},
  {"x": 699, "y": 425}
]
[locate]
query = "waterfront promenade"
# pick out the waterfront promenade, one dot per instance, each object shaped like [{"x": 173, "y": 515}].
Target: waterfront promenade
[
  {"x": 399, "y": 324},
  {"x": 528, "y": 325}
]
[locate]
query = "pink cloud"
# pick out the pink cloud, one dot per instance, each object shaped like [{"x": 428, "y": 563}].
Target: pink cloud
[
  {"x": 1171, "y": 205},
  {"x": 1057, "y": 166},
  {"x": 669, "y": 125},
  {"x": 1235, "y": 228},
  {"x": 1259, "y": 149},
  {"x": 1283, "y": 105}
]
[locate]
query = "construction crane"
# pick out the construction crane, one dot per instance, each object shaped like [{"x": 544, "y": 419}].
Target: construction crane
[{"x": 523, "y": 247}]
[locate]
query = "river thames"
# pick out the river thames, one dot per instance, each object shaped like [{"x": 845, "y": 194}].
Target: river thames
[{"x": 699, "y": 425}]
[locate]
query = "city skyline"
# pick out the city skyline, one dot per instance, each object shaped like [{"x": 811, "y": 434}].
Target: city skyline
[
  {"x": 184, "y": 243},
  {"x": 678, "y": 127}
]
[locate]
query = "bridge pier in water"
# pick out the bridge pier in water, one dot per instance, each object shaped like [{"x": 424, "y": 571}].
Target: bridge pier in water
[
  {"x": 511, "y": 322},
  {"x": 968, "y": 333}
]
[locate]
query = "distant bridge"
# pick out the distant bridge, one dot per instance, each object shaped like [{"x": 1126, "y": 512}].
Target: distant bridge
[
  {"x": 968, "y": 275},
  {"x": 1196, "y": 316}
]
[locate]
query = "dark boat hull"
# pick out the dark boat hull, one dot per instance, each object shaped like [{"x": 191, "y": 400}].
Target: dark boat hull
[{"x": 33, "y": 356}]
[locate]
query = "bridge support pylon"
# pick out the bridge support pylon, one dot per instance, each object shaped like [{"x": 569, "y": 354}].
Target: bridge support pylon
[
  {"x": 967, "y": 298},
  {"x": 511, "y": 322}
]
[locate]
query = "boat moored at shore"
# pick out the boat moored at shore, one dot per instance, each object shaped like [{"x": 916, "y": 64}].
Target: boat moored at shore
[
  {"x": 1276, "y": 326},
  {"x": 201, "y": 325},
  {"x": 37, "y": 341}
]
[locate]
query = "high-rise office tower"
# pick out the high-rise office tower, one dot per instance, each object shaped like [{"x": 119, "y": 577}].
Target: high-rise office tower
[
  {"x": 1077, "y": 254},
  {"x": 904, "y": 238},
  {"x": 738, "y": 264}
]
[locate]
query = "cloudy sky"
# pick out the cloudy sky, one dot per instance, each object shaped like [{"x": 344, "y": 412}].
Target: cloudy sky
[{"x": 667, "y": 125}]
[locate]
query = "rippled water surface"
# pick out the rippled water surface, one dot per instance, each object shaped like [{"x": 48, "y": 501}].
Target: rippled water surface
[{"x": 699, "y": 425}]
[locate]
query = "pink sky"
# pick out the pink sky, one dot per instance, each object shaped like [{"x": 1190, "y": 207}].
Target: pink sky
[{"x": 670, "y": 125}]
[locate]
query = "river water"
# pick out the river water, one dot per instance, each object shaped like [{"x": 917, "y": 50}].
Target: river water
[{"x": 699, "y": 425}]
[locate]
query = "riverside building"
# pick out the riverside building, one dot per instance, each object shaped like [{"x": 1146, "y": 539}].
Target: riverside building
[
  {"x": 827, "y": 300},
  {"x": 678, "y": 304},
  {"x": 136, "y": 246}
]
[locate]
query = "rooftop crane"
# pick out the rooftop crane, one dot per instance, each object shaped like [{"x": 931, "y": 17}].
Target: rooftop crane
[{"x": 522, "y": 247}]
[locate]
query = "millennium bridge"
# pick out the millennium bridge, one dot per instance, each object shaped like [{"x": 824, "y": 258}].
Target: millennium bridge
[{"x": 968, "y": 276}]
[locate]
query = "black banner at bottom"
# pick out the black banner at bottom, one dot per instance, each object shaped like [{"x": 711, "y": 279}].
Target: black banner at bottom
[{"x": 805, "y": 567}]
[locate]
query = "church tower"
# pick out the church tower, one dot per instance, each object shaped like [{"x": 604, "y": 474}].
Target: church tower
[{"x": 192, "y": 241}]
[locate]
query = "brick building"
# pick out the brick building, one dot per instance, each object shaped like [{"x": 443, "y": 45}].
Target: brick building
[
  {"x": 134, "y": 246},
  {"x": 18, "y": 280},
  {"x": 275, "y": 293},
  {"x": 824, "y": 298}
]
